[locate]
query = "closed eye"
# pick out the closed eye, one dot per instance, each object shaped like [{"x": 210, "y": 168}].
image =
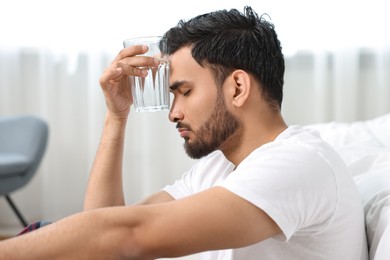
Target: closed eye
[{"x": 187, "y": 93}]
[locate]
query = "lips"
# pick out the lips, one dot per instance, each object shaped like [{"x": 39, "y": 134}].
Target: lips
[{"x": 183, "y": 130}]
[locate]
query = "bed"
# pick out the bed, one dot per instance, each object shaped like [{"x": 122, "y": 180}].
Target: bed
[{"x": 365, "y": 147}]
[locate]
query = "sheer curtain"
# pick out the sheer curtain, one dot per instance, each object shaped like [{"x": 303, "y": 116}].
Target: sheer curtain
[
  {"x": 52, "y": 54},
  {"x": 343, "y": 85},
  {"x": 71, "y": 101}
]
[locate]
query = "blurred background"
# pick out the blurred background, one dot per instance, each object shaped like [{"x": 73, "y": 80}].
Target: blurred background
[{"x": 53, "y": 52}]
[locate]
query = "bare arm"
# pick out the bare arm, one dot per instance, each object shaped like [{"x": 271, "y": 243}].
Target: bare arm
[
  {"x": 213, "y": 219},
  {"x": 105, "y": 181},
  {"x": 210, "y": 220}
]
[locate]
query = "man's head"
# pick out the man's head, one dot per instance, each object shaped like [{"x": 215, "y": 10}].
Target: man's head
[
  {"x": 198, "y": 107},
  {"x": 228, "y": 40},
  {"x": 208, "y": 54}
]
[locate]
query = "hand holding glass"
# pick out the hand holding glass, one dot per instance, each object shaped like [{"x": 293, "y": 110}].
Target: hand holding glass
[{"x": 151, "y": 93}]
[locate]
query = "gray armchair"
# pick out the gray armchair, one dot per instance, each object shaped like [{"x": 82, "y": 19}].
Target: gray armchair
[{"x": 23, "y": 141}]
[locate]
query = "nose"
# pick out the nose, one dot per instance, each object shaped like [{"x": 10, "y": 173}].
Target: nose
[{"x": 175, "y": 113}]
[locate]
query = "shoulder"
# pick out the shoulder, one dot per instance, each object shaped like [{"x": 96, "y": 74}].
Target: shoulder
[{"x": 300, "y": 147}]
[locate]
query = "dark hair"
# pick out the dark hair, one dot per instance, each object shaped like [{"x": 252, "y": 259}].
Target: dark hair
[{"x": 229, "y": 40}]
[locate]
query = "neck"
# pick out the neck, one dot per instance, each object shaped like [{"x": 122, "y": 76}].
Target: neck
[{"x": 252, "y": 135}]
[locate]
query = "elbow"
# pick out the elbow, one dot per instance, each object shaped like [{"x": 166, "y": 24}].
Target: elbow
[
  {"x": 126, "y": 233},
  {"x": 137, "y": 246},
  {"x": 137, "y": 242}
]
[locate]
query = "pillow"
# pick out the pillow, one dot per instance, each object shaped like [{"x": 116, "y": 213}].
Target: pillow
[
  {"x": 383, "y": 250},
  {"x": 375, "y": 192},
  {"x": 380, "y": 128},
  {"x": 362, "y": 144}
]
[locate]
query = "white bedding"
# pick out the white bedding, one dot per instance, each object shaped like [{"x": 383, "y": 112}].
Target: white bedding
[{"x": 365, "y": 147}]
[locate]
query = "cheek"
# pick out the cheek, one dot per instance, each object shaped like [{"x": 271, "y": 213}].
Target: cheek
[{"x": 200, "y": 108}]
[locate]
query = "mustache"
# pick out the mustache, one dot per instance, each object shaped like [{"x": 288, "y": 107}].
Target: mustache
[{"x": 183, "y": 125}]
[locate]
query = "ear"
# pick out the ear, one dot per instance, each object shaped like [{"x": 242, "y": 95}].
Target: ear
[{"x": 240, "y": 87}]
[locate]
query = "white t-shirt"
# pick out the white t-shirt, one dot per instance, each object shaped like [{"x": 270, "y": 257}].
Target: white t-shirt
[{"x": 302, "y": 184}]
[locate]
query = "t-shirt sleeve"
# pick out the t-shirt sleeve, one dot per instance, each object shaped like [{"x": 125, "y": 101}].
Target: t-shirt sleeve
[{"x": 295, "y": 187}]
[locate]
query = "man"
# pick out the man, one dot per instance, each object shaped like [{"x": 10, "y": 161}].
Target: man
[{"x": 261, "y": 189}]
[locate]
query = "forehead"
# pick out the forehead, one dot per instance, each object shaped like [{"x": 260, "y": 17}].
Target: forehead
[{"x": 183, "y": 67}]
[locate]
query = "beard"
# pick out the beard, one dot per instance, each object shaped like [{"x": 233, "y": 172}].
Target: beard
[{"x": 213, "y": 132}]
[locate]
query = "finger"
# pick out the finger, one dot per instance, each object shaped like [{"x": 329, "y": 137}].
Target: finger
[
  {"x": 131, "y": 51},
  {"x": 138, "y": 62},
  {"x": 130, "y": 66},
  {"x": 108, "y": 75},
  {"x": 130, "y": 70}
]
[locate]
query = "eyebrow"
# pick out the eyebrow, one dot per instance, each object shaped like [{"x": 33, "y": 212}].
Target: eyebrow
[{"x": 176, "y": 85}]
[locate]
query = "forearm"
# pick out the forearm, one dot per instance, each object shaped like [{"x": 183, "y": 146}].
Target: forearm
[
  {"x": 87, "y": 235},
  {"x": 105, "y": 181}
]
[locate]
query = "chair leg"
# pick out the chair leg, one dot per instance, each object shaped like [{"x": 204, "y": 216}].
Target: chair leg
[{"x": 17, "y": 212}]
